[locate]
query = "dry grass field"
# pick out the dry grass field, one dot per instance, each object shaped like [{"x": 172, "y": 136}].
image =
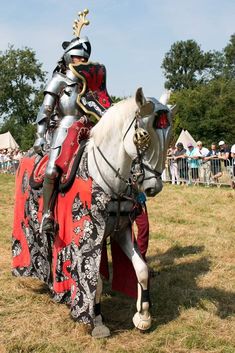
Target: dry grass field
[{"x": 193, "y": 292}]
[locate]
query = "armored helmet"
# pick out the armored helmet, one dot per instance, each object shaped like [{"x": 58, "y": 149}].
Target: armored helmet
[{"x": 77, "y": 46}]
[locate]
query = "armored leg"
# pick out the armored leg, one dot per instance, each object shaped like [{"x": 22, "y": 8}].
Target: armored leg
[
  {"x": 52, "y": 172},
  {"x": 51, "y": 175},
  {"x": 50, "y": 179}
]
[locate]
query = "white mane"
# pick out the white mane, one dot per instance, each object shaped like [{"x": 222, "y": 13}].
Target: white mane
[{"x": 114, "y": 119}]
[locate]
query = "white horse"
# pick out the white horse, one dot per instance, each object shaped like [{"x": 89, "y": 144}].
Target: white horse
[
  {"x": 111, "y": 148},
  {"x": 125, "y": 153}
]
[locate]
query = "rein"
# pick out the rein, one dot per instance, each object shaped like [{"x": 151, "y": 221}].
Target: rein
[
  {"x": 129, "y": 182},
  {"x": 136, "y": 173},
  {"x": 117, "y": 174},
  {"x": 138, "y": 170},
  {"x": 156, "y": 174}
]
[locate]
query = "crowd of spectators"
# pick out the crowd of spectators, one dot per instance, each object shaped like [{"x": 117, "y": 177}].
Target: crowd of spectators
[
  {"x": 185, "y": 165},
  {"x": 200, "y": 164},
  {"x": 9, "y": 160}
]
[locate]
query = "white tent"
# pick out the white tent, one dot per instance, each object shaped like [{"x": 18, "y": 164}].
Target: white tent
[
  {"x": 185, "y": 138},
  {"x": 7, "y": 141}
]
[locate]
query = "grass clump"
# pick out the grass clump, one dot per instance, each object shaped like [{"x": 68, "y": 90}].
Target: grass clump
[{"x": 191, "y": 250}]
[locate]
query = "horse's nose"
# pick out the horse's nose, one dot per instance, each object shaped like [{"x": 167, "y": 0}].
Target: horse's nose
[{"x": 152, "y": 191}]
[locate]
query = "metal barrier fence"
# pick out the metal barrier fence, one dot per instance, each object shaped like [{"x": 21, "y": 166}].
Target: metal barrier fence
[{"x": 211, "y": 172}]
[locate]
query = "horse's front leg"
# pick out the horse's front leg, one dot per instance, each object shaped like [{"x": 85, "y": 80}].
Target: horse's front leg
[
  {"x": 99, "y": 330},
  {"x": 142, "y": 318}
]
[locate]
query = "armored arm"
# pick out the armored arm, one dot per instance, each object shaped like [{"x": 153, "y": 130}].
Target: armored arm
[
  {"x": 51, "y": 96},
  {"x": 43, "y": 118}
]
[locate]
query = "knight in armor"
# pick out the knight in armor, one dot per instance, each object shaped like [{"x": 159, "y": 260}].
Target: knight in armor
[{"x": 60, "y": 110}]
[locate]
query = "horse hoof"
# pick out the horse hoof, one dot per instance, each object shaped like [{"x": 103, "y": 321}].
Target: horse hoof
[
  {"x": 142, "y": 322},
  {"x": 100, "y": 330}
]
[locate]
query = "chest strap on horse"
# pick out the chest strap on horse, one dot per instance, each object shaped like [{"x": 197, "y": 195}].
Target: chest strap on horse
[{"x": 132, "y": 213}]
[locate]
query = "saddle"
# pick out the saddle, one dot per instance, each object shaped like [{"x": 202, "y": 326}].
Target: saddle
[
  {"x": 66, "y": 179},
  {"x": 69, "y": 158}
]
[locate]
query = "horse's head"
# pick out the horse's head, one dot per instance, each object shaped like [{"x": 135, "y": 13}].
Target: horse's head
[
  {"x": 132, "y": 134},
  {"x": 151, "y": 138}
]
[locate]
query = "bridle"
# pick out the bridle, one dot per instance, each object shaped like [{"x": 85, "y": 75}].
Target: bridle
[
  {"x": 137, "y": 170},
  {"x": 137, "y": 176}
]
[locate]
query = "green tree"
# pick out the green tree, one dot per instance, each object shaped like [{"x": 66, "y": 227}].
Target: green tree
[
  {"x": 217, "y": 68},
  {"x": 116, "y": 99},
  {"x": 185, "y": 65},
  {"x": 223, "y": 63},
  {"x": 207, "y": 111},
  {"x": 21, "y": 82},
  {"x": 229, "y": 52}
]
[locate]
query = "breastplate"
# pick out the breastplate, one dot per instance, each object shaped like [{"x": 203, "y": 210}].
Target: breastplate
[{"x": 67, "y": 104}]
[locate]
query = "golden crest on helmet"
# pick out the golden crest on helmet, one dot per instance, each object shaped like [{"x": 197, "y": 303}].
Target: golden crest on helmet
[{"x": 80, "y": 22}]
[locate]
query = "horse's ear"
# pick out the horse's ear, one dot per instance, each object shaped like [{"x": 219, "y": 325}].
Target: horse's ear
[
  {"x": 146, "y": 108},
  {"x": 139, "y": 97}
]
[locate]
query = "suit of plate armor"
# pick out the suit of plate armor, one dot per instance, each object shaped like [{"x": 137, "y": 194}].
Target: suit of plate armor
[
  {"x": 60, "y": 94},
  {"x": 60, "y": 103}
]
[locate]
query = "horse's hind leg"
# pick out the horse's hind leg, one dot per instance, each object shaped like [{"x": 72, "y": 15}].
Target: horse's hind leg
[
  {"x": 99, "y": 330},
  {"x": 142, "y": 318}
]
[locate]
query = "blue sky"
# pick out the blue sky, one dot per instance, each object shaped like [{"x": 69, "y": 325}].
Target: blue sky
[{"x": 130, "y": 37}]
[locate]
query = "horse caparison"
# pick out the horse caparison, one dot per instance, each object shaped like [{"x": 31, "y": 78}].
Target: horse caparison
[{"x": 97, "y": 205}]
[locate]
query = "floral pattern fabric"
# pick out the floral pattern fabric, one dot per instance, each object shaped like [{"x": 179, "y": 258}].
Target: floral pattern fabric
[{"x": 69, "y": 262}]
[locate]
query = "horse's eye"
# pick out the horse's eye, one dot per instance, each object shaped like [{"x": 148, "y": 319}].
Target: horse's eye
[{"x": 161, "y": 120}]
